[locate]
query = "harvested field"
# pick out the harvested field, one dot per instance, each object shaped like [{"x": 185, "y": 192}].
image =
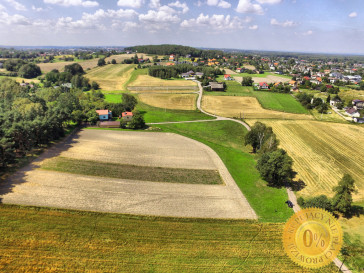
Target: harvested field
[
  {"x": 47, "y": 240},
  {"x": 268, "y": 79},
  {"x": 35, "y": 186},
  {"x": 47, "y": 67},
  {"x": 149, "y": 81},
  {"x": 170, "y": 101},
  {"x": 111, "y": 77},
  {"x": 323, "y": 152},
  {"x": 247, "y": 107}
]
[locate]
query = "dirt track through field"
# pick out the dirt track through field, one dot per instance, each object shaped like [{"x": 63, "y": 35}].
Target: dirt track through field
[{"x": 33, "y": 186}]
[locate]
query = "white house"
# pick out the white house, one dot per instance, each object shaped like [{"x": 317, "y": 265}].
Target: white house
[{"x": 352, "y": 112}]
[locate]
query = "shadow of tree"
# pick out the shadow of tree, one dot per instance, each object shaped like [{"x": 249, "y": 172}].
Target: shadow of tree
[
  {"x": 19, "y": 177},
  {"x": 297, "y": 185}
]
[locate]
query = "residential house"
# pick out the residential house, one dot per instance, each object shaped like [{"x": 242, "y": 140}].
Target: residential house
[
  {"x": 215, "y": 86},
  {"x": 352, "y": 112},
  {"x": 199, "y": 74},
  {"x": 127, "y": 116},
  {"x": 171, "y": 58},
  {"x": 358, "y": 120},
  {"x": 335, "y": 102},
  {"x": 263, "y": 85},
  {"x": 292, "y": 83},
  {"x": 358, "y": 104},
  {"x": 239, "y": 70},
  {"x": 104, "y": 114},
  {"x": 227, "y": 77}
]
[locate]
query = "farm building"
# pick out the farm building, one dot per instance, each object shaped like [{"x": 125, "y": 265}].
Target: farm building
[
  {"x": 263, "y": 85},
  {"x": 127, "y": 116},
  {"x": 227, "y": 77},
  {"x": 104, "y": 114},
  {"x": 358, "y": 104},
  {"x": 109, "y": 124},
  {"x": 352, "y": 112},
  {"x": 215, "y": 86}
]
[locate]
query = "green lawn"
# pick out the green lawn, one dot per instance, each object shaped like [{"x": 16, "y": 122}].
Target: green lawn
[
  {"x": 54, "y": 240},
  {"x": 112, "y": 97},
  {"x": 153, "y": 114},
  {"x": 280, "y": 102},
  {"x": 226, "y": 138},
  {"x": 233, "y": 88},
  {"x": 124, "y": 171}
]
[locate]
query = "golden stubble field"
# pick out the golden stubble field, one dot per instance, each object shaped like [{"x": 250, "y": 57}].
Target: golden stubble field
[
  {"x": 149, "y": 81},
  {"x": 322, "y": 153},
  {"x": 170, "y": 101},
  {"x": 246, "y": 107},
  {"x": 111, "y": 77}
]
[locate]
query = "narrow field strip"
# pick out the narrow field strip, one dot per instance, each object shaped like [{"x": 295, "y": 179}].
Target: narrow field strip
[{"x": 132, "y": 172}]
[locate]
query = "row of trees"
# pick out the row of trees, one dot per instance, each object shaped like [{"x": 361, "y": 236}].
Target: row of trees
[
  {"x": 29, "y": 120},
  {"x": 309, "y": 102},
  {"x": 22, "y": 68},
  {"x": 167, "y": 72}
]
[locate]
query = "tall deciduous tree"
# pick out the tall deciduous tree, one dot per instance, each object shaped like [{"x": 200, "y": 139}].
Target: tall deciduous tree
[
  {"x": 276, "y": 167},
  {"x": 261, "y": 136},
  {"x": 343, "y": 199}
]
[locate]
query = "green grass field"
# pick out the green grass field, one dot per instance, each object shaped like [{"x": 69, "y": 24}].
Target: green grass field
[
  {"x": 233, "y": 88},
  {"x": 112, "y": 97},
  {"x": 226, "y": 139},
  {"x": 53, "y": 240},
  {"x": 280, "y": 102},
  {"x": 124, "y": 171}
]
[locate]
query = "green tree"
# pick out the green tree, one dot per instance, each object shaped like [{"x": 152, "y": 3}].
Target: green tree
[
  {"x": 29, "y": 71},
  {"x": 343, "y": 199},
  {"x": 74, "y": 69},
  {"x": 129, "y": 102},
  {"x": 247, "y": 81},
  {"x": 137, "y": 122},
  {"x": 95, "y": 85},
  {"x": 259, "y": 135},
  {"x": 113, "y": 61},
  {"x": 321, "y": 201},
  {"x": 276, "y": 167},
  {"x": 101, "y": 62}
]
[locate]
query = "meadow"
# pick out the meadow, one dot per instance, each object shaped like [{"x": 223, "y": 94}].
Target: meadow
[
  {"x": 226, "y": 138},
  {"x": 248, "y": 107},
  {"x": 111, "y": 77},
  {"x": 54, "y": 240}
]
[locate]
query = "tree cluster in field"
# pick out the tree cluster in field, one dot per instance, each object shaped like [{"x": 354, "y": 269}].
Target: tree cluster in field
[
  {"x": 274, "y": 165},
  {"x": 281, "y": 88},
  {"x": 341, "y": 202},
  {"x": 31, "y": 120},
  {"x": 167, "y": 72},
  {"x": 306, "y": 84},
  {"x": 247, "y": 81},
  {"x": 132, "y": 60},
  {"x": 167, "y": 49},
  {"x": 73, "y": 74},
  {"x": 22, "y": 68},
  {"x": 309, "y": 102}
]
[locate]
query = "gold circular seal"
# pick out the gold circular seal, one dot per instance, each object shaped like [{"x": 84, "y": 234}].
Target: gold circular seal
[{"x": 312, "y": 237}]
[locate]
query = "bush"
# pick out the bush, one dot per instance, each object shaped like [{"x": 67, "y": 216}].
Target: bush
[
  {"x": 321, "y": 201},
  {"x": 137, "y": 122}
]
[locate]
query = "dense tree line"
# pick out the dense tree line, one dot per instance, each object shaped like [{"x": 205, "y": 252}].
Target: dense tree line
[
  {"x": 22, "y": 68},
  {"x": 29, "y": 120},
  {"x": 309, "y": 102}
]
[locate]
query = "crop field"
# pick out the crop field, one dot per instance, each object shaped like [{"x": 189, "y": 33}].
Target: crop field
[
  {"x": 144, "y": 173},
  {"x": 47, "y": 67},
  {"x": 268, "y": 78},
  {"x": 20, "y": 80},
  {"x": 280, "y": 102},
  {"x": 170, "y": 101},
  {"x": 111, "y": 77},
  {"x": 49, "y": 240},
  {"x": 244, "y": 107},
  {"x": 149, "y": 81},
  {"x": 323, "y": 152}
]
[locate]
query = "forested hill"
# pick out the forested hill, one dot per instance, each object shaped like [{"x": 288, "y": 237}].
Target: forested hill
[{"x": 167, "y": 49}]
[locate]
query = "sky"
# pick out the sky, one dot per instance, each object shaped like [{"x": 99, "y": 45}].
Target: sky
[{"x": 328, "y": 26}]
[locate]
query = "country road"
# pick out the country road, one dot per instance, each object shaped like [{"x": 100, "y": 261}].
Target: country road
[{"x": 291, "y": 195}]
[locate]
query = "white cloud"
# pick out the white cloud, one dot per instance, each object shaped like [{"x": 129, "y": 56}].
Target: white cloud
[
  {"x": 16, "y": 5},
  {"x": 215, "y": 22},
  {"x": 154, "y": 4},
  {"x": 245, "y": 6},
  {"x": 218, "y": 3},
  {"x": 307, "y": 33},
  {"x": 159, "y": 19},
  {"x": 272, "y": 2},
  {"x": 68, "y": 3},
  {"x": 124, "y": 26},
  {"x": 287, "y": 23},
  {"x": 353, "y": 14},
  {"x": 223, "y": 4},
  {"x": 37, "y": 9},
  {"x": 131, "y": 3},
  {"x": 121, "y": 13},
  {"x": 180, "y": 5},
  {"x": 13, "y": 20},
  {"x": 2, "y": 7},
  {"x": 254, "y": 27}
]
